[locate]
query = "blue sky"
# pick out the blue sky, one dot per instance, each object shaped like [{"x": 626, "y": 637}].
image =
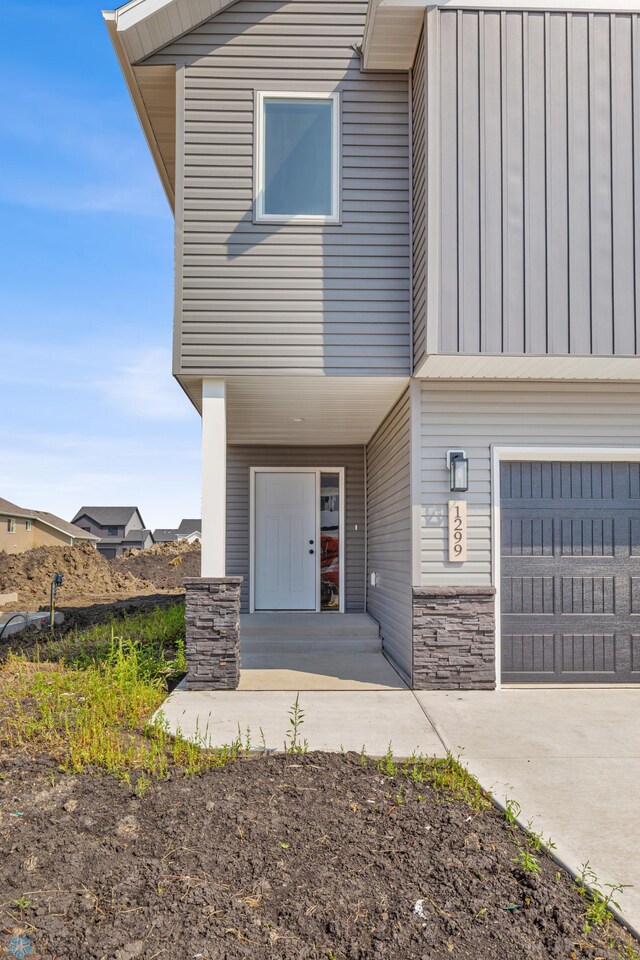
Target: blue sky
[{"x": 89, "y": 411}]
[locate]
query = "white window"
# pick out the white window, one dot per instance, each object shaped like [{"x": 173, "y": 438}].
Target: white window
[
  {"x": 27, "y": 525},
  {"x": 11, "y": 526},
  {"x": 297, "y": 158}
]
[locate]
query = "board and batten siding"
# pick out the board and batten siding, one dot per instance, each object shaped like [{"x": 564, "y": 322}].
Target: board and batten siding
[
  {"x": 274, "y": 298},
  {"x": 239, "y": 461},
  {"x": 472, "y": 417},
  {"x": 538, "y": 134},
  {"x": 389, "y": 532},
  {"x": 419, "y": 211}
]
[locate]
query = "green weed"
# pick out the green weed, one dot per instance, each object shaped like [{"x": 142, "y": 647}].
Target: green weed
[
  {"x": 158, "y": 635},
  {"x": 445, "y": 775},
  {"x": 511, "y": 812},
  {"x": 22, "y": 903},
  {"x": 296, "y": 719},
  {"x": 527, "y": 862},
  {"x": 599, "y": 898},
  {"x": 97, "y": 716}
]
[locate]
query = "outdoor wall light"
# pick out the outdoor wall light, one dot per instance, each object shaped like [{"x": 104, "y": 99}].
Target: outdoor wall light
[{"x": 458, "y": 467}]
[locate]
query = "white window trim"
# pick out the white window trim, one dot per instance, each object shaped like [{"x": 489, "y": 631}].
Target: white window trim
[
  {"x": 341, "y": 528},
  {"x": 561, "y": 453},
  {"x": 11, "y": 525},
  {"x": 258, "y": 174}
]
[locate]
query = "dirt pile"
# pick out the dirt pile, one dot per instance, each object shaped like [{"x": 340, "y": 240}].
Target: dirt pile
[
  {"x": 164, "y": 566},
  {"x": 88, "y": 577}
]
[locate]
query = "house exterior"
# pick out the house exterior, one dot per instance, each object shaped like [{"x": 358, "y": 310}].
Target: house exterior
[
  {"x": 189, "y": 530},
  {"x": 407, "y": 309},
  {"x": 22, "y": 529},
  {"x": 118, "y": 529},
  {"x": 165, "y": 535}
]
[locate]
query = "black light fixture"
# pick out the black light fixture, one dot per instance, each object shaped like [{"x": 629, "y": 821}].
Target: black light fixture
[{"x": 458, "y": 467}]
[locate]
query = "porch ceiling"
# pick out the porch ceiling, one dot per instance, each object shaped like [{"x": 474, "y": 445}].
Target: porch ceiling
[{"x": 303, "y": 410}]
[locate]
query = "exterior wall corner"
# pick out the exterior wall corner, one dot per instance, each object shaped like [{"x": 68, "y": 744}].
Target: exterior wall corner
[{"x": 454, "y": 638}]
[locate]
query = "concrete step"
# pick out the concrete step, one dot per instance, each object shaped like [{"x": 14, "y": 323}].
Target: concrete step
[
  {"x": 294, "y": 646},
  {"x": 305, "y": 626}
]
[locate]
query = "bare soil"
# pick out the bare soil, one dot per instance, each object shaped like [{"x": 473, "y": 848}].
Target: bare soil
[
  {"x": 165, "y": 565},
  {"x": 90, "y": 580},
  {"x": 275, "y": 857},
  {"x": 88, "y": 577}
]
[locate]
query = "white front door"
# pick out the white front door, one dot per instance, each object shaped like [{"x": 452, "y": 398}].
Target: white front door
[{"x": 285, "y": 541}]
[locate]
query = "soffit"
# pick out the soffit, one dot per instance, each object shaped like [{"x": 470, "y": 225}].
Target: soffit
[{"x": 303, "y": 410}]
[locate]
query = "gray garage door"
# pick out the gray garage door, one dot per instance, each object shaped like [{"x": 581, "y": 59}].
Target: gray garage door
[{"x": 570, "y": 570}]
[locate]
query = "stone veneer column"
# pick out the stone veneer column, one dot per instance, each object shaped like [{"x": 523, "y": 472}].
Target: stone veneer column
[
  {"x": 454, "y": 637},
  {"x": 212, "y": 642}
]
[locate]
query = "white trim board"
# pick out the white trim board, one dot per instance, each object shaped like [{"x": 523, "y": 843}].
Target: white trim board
[
  {"x": 561, "y": 453},
  {"x": 341, "y": 529}
]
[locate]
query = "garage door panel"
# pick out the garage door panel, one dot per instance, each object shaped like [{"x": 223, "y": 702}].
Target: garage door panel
[
  {"x": 634, "y": 653},
  {"x": 589, "y": 653},
  {"x": 570, "y": 580},
  {"x": 592, "y": 595},
  {"x": 523, "y": 595},
  {"x": 529, "y": 653},
  {"x": 523, "y": 537},
  {"x": 591, "y": 537}
]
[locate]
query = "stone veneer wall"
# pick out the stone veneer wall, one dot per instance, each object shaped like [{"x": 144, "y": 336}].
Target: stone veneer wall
[
  {"x": 212, "y": 642},
  {"x": 454, "y": 637}
]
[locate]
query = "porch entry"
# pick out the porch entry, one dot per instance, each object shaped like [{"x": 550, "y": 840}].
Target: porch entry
[{"x": 297, "y": 539}]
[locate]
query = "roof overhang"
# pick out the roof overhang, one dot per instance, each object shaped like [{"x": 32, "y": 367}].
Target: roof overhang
[
  {"x": 42, "y": 517},
  {"x": 393, "y": 27},
  {"x": 145, "y": 26},
  {"x": 139, "y": 29}
]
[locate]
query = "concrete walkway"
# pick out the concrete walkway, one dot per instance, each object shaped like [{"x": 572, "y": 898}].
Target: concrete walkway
[
  {"x": 570, "y": 758},
  {"x": 334, "y": 720}
]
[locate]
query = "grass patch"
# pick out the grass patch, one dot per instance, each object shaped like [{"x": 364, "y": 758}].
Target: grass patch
[
  {"x": 95, "y": 715},
  {"x": 446, "y": 776},
  {"x": 158, "y": 636}
]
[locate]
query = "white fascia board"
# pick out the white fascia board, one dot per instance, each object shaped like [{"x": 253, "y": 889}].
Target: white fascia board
[
  {"x": 110, "y": 19},
  {"x": 134, "y": 12},
  {"x": 147, "y": 26},
  {"x": 386, "y": 49}
]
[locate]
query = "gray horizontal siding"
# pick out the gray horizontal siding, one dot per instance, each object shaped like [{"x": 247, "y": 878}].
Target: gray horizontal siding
[
  {"x": 389, "y": 532},
  {"x": 539, "y": 182},
  {"x": 419, "y": 213},
  {"x": 239, "y": 461},
  {"x": 275, "y": 298},
  {"x": 472, "y": 417}
]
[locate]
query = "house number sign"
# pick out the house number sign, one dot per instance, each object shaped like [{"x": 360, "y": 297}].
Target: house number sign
[{"x": 457, "y": 531}]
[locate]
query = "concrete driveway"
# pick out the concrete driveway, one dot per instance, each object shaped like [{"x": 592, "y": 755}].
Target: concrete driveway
[{"x": 571, "y": 759}]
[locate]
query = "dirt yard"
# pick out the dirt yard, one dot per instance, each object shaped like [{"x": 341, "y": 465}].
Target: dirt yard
[
  {"x": 311, "y": 856},
  {"x": 164, "y": 565},
  {"x": 90, "y": 580}
]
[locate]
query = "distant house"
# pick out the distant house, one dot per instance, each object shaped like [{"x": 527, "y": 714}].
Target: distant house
[
  {"x": 189, "y": 530},
  {"x": 21, "y": 529},
  {"x": 118, "y": 529},
  {"x": 165, "y": 535}
]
